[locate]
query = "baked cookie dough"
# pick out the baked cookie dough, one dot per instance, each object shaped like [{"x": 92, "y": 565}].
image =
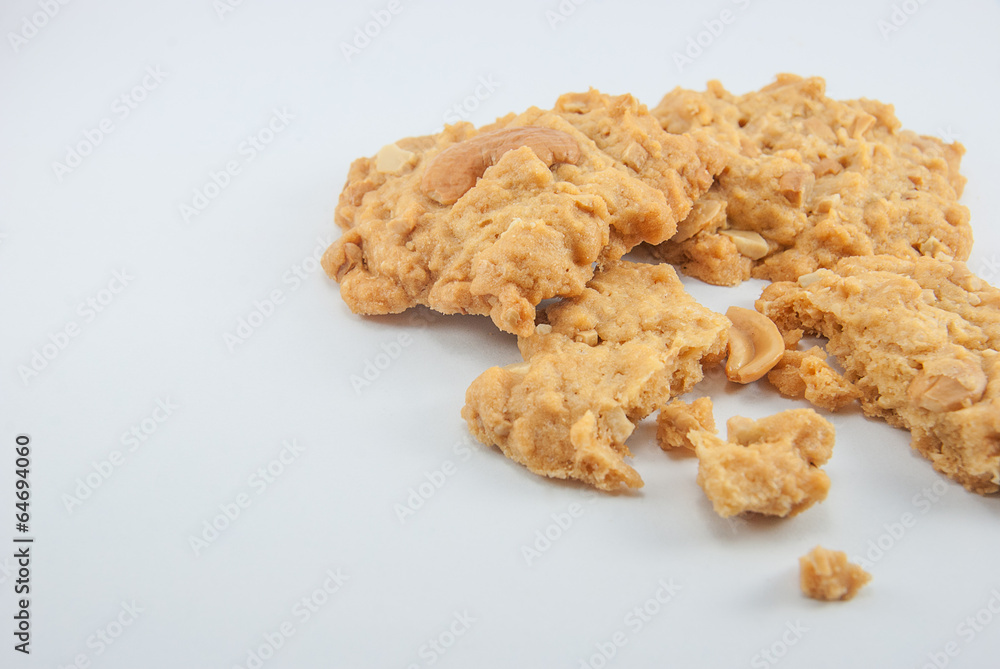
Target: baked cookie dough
[
  {"x": 599, "y": 363},
  {"x": 495, "y": 220},
  {"x": 827, "y": 575},
  {"x": 807, "y": 374},
  {"x": 919, "y": 339},
  {"x": 809, "y": 180},
  {"x": 768, "y": 466}
]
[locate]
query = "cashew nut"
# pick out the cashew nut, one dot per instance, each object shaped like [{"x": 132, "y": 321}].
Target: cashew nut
[
  {"x": 456, "y": 169},
  {"x": 948, "y": 384},
  {"x": 748, "y": 243},
  {"x": 755, "y": 345}
]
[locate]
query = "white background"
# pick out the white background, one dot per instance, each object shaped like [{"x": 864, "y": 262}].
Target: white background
[{"x": 162, "y": 337}]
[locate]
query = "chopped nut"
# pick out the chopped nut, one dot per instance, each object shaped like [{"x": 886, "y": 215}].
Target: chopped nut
[
  {"x": 809, "y": 279},
  {"x": 755, "y": 345},
  {"x": 948, "y": 384},
  {"x": 635, "y": 156},
  {"x": 795, "y": 186},
  {"x": 704, "y": 214},
  {"x": 543, "y": 329},
  {"x": 749, "y": 243},
  {"x": 391, "y": 159},
  {"x": 676, "y": 421},
  {"x": 588, "y": 337},
  {"x": 351, "y": 255}
]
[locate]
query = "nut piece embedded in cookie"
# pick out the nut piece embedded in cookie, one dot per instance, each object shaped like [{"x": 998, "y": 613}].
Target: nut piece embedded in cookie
[
  {"x": 919, "y": 340},
  {"x": 755, "y": 345},
  {"x": 827, "y": 575},
  {"x": 494, "y": 221},
  {"x": 816, "y": 180},
  {"x": 457, "y": 169},
  {"x": 603, "y": 361},
  {"x": 769, "y": 466},
  {"x": 677, "y": 419}
]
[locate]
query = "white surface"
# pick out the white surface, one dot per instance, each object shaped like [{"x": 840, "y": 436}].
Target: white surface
[{"x": 333, "y": 506}]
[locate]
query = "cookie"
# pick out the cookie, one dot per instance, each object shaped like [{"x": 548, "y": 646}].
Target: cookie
[
  {"x": 599, "y": 363},
  {"x": 495, "y": 220},
  {"x": 810, "y": 180},
  {"x": 807, "y": 374},
  {"x": 828, "y": 576},
  {"x": 918, "y": 338},
  {"x": 768, "y": 466},
  {"x": 676, "y": 420}
]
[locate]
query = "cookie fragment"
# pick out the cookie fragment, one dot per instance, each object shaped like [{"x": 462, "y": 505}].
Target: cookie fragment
[
  {"x": 604, "y": 360},
  {"x": 806, "y": 374},
  {"x": 817, "y": 179},
  {"x": 827, "y": 575},
  {"x": 919, "y": 339},
  {"x": 544, "y": 195},
  {"x": 677, "y": 419},
  {"x": 769, "y": 466}
]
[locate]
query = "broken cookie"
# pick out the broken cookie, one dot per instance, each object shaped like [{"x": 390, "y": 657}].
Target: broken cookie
[
  {"x": 809, "y": 180},
  {"x": 919, "y": 339},
  {"x": 600, "y": 362},
  {"x": 807, "y": 374},
  {"x": 495, "y": 220},
  {"x": 827, "y": 575},
  {"x": 769, "y": 466}
]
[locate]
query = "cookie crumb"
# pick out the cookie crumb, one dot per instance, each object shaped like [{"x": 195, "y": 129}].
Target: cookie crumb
[{"x": 828, "y": 576}]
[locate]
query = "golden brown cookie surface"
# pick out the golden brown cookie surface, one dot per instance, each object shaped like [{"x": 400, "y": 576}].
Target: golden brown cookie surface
[
  {"x": 809, "y": 180},
  {"x": 604, "y": 360},
  {"x": 919, "y": 340},
  {"x": 768, "y": 466},
  {"x": 581, "y": 184}
]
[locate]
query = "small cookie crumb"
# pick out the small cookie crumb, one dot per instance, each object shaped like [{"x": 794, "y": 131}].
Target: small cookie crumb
[{"x": 827, "y": 575}]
